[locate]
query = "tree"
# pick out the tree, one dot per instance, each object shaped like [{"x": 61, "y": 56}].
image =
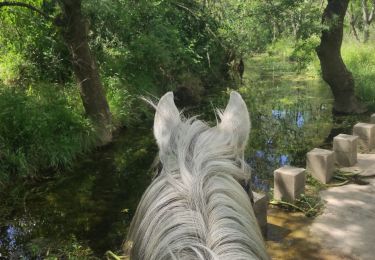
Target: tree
[
  {"x": 334, "y": 71},
  {"x": 367, "y": 18},
  {"x": 361, "y": 16},
  {"x": 75, "y": 34},
  {"x": 353, "y": 17}
]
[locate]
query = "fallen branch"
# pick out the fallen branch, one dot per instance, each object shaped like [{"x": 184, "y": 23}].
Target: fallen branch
[
  {"x": 280, "y": 202},
  {"x": 338, "y": 184},
  {"x": 110, "y": 255}
]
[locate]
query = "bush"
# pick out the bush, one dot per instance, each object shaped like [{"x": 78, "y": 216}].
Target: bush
[
  {"x": 360, "y": 60},
  {"x": 40, "y": 129},
  {"x": 300, "y": 52},
  {"x": 120, "y": 101}
]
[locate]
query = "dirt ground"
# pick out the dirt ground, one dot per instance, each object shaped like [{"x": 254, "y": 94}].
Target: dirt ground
[{"x": 347, "y": 224}]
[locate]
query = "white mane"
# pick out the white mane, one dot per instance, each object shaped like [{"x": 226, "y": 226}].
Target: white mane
[{"x": 196, "y": 208}]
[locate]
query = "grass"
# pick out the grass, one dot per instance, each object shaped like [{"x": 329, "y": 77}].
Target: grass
[
  {"x": 308, "y": 203},
  {"x": 358, "y": 57},
  {"x": 43, "y": 125},
  {"x": 360, "y": 60},
  {"x": 40, "y": 128}
]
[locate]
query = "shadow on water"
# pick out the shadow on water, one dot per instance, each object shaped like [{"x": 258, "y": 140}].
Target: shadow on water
[{"x": 85, "y": 211}]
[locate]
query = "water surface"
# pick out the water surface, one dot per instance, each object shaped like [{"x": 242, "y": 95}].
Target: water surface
[{"x": 86, "y": 210}]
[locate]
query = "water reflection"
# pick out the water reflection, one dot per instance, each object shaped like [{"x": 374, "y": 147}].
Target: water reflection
[
  {"x": 83, "y": 212},
  {"x": 277, "y": 114},
  {"x": 291, "y": 114},
  {"x": 86, "y": 211}
]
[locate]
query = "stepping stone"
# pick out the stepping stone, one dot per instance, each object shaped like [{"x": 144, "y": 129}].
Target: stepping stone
[
  {"x": 345, "y": 148},
  {"x": 366, "y": 134},
  {"x": 320, "y": 163},
  {"x": 372, "y": 120},
  {"x": 260, "y": 209},
  {"x": 289, "y": 183}
]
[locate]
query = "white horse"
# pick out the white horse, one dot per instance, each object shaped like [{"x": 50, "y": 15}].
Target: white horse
[{"x": 196, "y": 208}]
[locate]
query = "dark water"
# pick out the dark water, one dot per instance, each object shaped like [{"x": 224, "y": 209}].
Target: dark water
[{"x": 85, "y": 211}]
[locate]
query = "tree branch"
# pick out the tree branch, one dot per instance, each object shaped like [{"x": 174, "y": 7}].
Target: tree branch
[
  {"x": 364, "y": 11},
  {"x": 372, "y": 12},
  {"x": 25, "y": 5}
]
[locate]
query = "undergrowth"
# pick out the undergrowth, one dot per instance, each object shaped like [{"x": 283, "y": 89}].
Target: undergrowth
[
  {"x": 358, "y": 57},
  {"x": 360, "y": 60},
  {"x": 44, "y": 127},
  {"x": 40, "y": 128},
  {"x": 308, "y": 203}
]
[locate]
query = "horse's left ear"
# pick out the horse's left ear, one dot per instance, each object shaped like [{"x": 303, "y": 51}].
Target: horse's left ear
[
  {"x": 166, "y": 118},
  {"x": 235, "y": 119}
]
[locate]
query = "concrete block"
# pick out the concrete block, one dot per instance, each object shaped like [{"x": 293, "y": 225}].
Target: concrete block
[
  {"x": 345, "y": 148},
  {"x": 345, "y": 143},
  {"x": 289, "y": 183},
  {"x": 372, "y": 120},
  {"x": 366, "y": 135},
  {"x": 320, "y": 163},
  {"x": 346, "y": 159},
  {"x": 260, "y": 210}
]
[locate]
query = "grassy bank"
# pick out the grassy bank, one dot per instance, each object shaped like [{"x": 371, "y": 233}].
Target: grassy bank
[
  {"x": 43, "y": 127},
  {"x": 358, "y": 57},
  {"x": 360, "y": 60}
]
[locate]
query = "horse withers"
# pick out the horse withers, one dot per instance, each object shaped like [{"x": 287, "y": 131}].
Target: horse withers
[{"x": 196, "y": 208}]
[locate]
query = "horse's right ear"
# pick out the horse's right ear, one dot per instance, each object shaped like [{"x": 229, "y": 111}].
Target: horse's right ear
[
  {"x": 167, "y": 117},
  {"x": 235, "y": 119}
]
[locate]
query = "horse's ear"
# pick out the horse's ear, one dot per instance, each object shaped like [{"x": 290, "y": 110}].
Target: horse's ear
[
  {"x": 235, "y": 118},
  {"x": 166, "y": 118}
]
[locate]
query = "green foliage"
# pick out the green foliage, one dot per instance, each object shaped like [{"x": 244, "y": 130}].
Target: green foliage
[
  {"x": 69, "y": 249},
  {"x": 360, "y": 60},
  {"x": 120, "y": 101},
  {"x": 249, "y": 26},
  {"x": 153, "y": 42},
  {"x": 304, "y": 52},
  {"x": 300, "y": 52},
  {"x": 31, "y": 47},
  {"x": 40, "y": 129},
  {"x": 141, "y": 47}
]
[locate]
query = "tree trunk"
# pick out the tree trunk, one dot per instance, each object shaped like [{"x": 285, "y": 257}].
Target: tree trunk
[
  {"x": 366, "y": 25},
  {"x": 334, "y": 71},
  {"x": 352, "y": 22},
  {"x": 85, "y": 69},
  {"x": 367, "y": 17},
  {"x": 366, "y": 32}
]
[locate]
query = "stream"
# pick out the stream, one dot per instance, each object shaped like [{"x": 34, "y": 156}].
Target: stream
[{"x": 85, "y": 211}]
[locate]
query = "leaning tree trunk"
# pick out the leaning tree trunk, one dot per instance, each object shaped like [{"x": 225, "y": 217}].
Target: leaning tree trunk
[
  {"x": 334, "y": 71},
  {"x": 85, "y": 69}
]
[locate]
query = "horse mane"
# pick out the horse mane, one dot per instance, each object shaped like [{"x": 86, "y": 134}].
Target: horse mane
[{"x": 196, "y": 208}]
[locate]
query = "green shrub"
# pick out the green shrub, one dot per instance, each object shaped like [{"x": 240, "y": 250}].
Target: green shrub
[
  {"x": 40, "y": 129},
  {"x": 300, "y": 53},
  {"x": 304, "y": 52},
  {"x": 360, "y": 60},
  {"x": 120, "y": 101}
]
